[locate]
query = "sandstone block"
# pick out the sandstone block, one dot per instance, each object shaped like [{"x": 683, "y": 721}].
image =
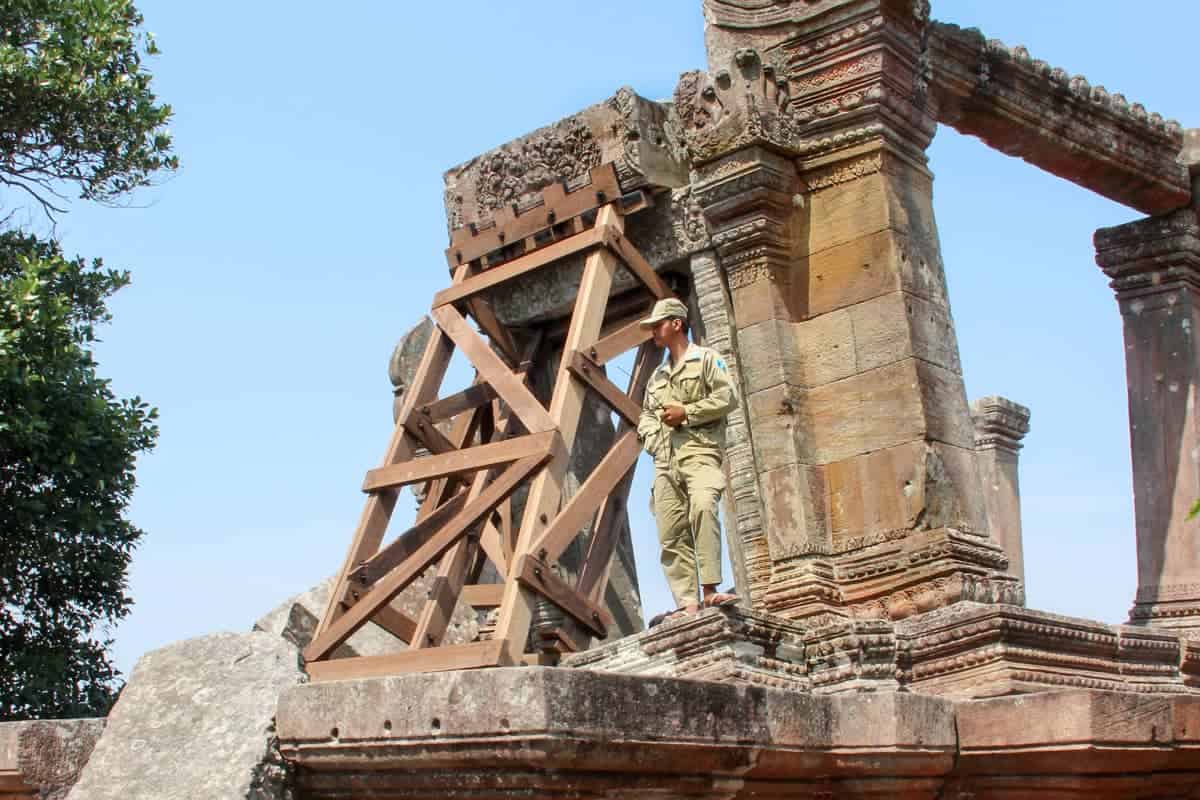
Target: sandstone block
[
  {"x": 771, "y": 296},
  {"x": 767, "y": 355},
  {"x": 825, "y": 349},
  {"x": 872, "y": 410},
  {"x": 850, "y": 273},
  {"x": 775, "y": 417},
  {"x": 794, "y": 503},
  {"x": 883, "y": 194},
  {"x": 45, "y": 757},
  {"x": 196, "y": 720},
  {"x": 898, "y": 325}
]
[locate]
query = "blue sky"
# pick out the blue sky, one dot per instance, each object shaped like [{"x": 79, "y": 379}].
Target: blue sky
[{"x": 304, "y": 234}]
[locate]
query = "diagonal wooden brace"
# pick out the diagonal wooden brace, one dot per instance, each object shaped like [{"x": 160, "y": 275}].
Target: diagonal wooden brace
[
  {"x": 433, "y": 549},
  {"x": 584, "y": 369},
  {"x": 578, "y": 510},
  {"x": 537, "y": 575}
]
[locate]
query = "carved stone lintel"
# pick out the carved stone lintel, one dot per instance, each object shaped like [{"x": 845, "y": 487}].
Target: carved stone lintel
[
  {"x": 633, "y": 133},
  {"x": 1063, "y": 124}
]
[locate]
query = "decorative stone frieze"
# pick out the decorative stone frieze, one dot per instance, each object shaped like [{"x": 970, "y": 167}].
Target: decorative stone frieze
[
  {"x": 1000, "y": 425},
  {"x": 1154, "y": 266},
  {"x": 627, "y": 130},
  {"x": 971, "y": 649},
  {"x": 1056, "y": 121}
]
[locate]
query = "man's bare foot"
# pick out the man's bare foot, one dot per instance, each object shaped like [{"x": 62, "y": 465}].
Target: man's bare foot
[{"x": 720, "y": 599}]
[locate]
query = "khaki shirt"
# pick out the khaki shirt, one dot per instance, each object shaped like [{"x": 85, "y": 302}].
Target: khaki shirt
[{"x": 700, "y": 382}]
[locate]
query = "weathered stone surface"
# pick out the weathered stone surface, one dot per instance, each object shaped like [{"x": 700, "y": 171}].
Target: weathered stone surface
[
  {"x": 1056, "y": 121},
  {"x": 527, "y": 732},
  {"x": 626, "y": 129},
  {"x": 45, "y": 757},
  {"x": 406, "y": 357},
  {"x": 296, "y": 620},
  {"x": 521, "y": 732},
  {"x": 1080, "y": 744},
  {"x": 1000, "y": 425},
  {"x": 196, "y": 720},
  {"x": 1154, "y": 265}
]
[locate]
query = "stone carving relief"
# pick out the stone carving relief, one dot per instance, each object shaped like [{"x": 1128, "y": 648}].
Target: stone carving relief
[
  {"x": 743, "y": 105},
  {"x": 564, "y": 152}
]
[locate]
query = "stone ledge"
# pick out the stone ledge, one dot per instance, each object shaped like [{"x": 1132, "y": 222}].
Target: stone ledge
[
  {"x": 590, "y": 732},
  {"x": 519, "y": 732}
]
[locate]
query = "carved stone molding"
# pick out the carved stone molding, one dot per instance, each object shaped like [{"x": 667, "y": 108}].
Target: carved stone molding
[
  {"x": 1056, "y": 121},
  {"x": 1152, "y": 255},
  {"x": 969, "y": 650},
  {"x": 999, "y": 423},
  {"x": 747, "y": 198}
]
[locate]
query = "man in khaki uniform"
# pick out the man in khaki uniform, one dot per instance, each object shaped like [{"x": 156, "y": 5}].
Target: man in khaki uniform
[{"x": 682, "y": 425}]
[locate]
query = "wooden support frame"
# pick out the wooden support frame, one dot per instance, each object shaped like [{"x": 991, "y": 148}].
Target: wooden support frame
[{"x": 501, "y": 437}]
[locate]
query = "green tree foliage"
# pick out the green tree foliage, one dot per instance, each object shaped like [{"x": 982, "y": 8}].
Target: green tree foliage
[
  {"x": 75, "y": 102},
  {"x": 76, "y": 112},
  {"x": 67, "y": 451}
]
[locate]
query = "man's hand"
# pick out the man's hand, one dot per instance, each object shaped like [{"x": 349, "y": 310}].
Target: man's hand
[{"x": 673, "y": 415}]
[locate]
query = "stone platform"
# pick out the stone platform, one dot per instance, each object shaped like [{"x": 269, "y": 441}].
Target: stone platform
[
  {"x": 570, "y": 733},
  {"x": 964, "y": 651}
]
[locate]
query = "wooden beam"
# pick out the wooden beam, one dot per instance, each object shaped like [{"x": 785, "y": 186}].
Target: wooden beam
[
  {"x": 566, "y": 405},
  {"x": 395, "y": 581},
  {"x": 407, "y": 543},
  {"x": 491, "y": 542},
  {"x": 636, "y": 262},
  {"x": 467, "y": 245},
  {"x": 483, "y": 595},
  {"x": 427, "y": 434},
  {"x": 468, "y": 459},
  {"x": 520, "y": 266},
  {"x": 467, "y": 400},
  {"x": 624, "y": 338},
  {"x": 377, "y": 510},
  {"x": 583, "y": 369},
  {"x": 619, "y": 459},
  {"x": 395, "y": 622},
  {"x": 485, "y": 317},
  {"x": 509, "y": 387},
  {"x": 436, "y": 659},
  {"x": 597, "y": 564},
  {"x": 537, "y": 575}
]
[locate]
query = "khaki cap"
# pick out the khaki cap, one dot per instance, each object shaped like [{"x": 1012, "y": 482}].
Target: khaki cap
[{"x": 669, "y": 308}]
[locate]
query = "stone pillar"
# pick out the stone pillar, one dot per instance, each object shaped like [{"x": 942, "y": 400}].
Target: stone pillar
[
  {"x": 807, "y": 142},
  {"x": 1000, "y": 425},
  {"x": 1154, "y": 265}
]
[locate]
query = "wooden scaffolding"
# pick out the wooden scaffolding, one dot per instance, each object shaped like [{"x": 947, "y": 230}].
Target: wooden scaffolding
[{"x": 501, "y": 437}]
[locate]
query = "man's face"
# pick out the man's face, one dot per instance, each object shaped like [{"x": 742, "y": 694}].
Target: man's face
[{"x": 663, "y": 330}]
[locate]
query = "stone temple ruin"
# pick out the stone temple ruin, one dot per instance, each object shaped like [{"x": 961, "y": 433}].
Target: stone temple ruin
[{"x": 884, "y": 649}]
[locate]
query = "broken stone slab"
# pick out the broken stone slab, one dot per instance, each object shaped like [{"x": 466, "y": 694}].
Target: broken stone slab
[
  {"x": 296, "y": 620},
  {"x": 196, "y": 720},
  {"x": 43, "y": 758}
]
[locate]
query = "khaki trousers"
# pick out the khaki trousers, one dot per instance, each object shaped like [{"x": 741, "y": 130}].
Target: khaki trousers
[{"x": 685, "y": 509}]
